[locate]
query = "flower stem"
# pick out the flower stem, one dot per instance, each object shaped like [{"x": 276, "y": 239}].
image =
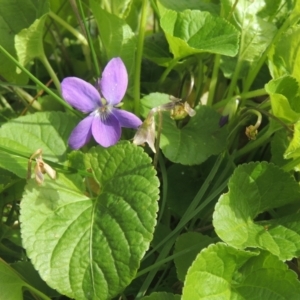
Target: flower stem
[
  {"x": 81, "y": 38},
  {"x": 50, "y": 71},
  {"x": 138, "y": 61},
  {"x": 71, "y": 29},
  {"x": 255, "y": 143},
  {"x": 164, "y": 75},
  {"x": 214, "y": 79},
  {"x": 91, "y": 46},
  {"x": 247, "y": 95},
  {"x": 259, "y": 117}
]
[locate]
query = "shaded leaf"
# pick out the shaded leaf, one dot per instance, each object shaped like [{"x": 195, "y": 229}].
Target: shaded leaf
[
  {"x": 12, "y": 284},
  {"x": 162, "y": 296},
  {"x": 194, "y": 242},
  {"x": 15, "y": 16},
  {"x": 194, "y": 143}
]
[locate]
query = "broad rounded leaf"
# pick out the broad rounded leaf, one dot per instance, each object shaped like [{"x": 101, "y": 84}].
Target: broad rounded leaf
[
  {"x": 88, "y": 244},
  {"x": 195, "y": 142},
  {"x": 222, "y": 272},
  {"x": 48, "y": 131},
  {"x": 253, "y": 189},
  {"x": 192, "y": 31}
]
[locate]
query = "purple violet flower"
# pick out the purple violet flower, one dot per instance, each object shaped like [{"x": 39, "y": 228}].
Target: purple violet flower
[{"x": 104, "y": 121}]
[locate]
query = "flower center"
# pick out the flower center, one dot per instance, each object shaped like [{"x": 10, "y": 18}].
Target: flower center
[{"x": 103, "y": 111}]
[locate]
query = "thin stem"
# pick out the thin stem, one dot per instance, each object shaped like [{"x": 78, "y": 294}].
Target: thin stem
[
  {"x": 246, "y": 95},
  {"x": 259, "y": 117},
  {"x": 28, "y": 98},
  {"x": 186, "y": 217},
  {"x": 164, "y": 187},
  {"x": 91, "y": 46},
  {"x": 50, "y": 71},
  {"x": 67, "y": 26},
  {"x": 172, "y": 257},
  {"x": 138, "y": 61},
  {"x": 256, "y": 143},
  {"x": 199, "y": 86},
  {"x": 39, "y": 83},
  {"x": 288, "y": 167},
  {"x": 157, "y": 142},
  {"x": 166, "y": 72},
  {"x": 214, "y": 80}
]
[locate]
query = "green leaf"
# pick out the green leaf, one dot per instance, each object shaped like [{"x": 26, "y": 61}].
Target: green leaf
[
  {"x": 223, "y": 272},
  {"x": 117, "y": 37},
  {"x": 256, "y": 35},
  {"x": 193, "y": 242},
  {"x": 191, "y": 4},
  {"x": 29, "y": 42},
  {"x": 184, "y": 182},
  {"x": 254, "y": 189},
  {"x": 12, "y": 284},
  {"x": 26, "y": 269},
  {"x": 284, "y": 57},
  {"x": 285, "y": 99},
  {"x": 90, "y": 247},
  {"x": 153, "y": 100},
  {"x": 15, "y": 16},
  {"x": 156, "y": 49},
  {"x": 121, "y": 8},
  {"x": 195, "y": 142},
  {"x": 21, "y": 137},
  {"x": 293, "y": 150},
  {"x": 162, "y": 296},
  {"x": 279, "y": 144},
  {"x": 191, "y": 31}
]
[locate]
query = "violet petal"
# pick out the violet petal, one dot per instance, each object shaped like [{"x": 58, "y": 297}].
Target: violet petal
[
  {"x": 114, "y": 81},
  {"x": 106, "y": 132},
  {"x": 82, "y": 133},
  {"x": 127, "y": 119},
  {"x": 80, "y": 94}
]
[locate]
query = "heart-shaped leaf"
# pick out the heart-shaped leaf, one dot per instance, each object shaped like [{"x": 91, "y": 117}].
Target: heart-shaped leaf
[
  {"x": 88, "y": 245},
  {"x": 195, "y": 142},
  {"x": 193, "y": 31},
  {"x": 254, "y": 189}
]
